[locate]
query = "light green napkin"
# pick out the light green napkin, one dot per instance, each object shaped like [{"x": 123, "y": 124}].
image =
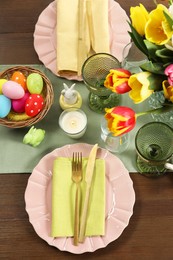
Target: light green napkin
[{"x": 63, "y": 199}]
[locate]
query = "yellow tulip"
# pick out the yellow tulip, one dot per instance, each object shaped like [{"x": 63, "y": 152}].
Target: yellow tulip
[
  {"x": 168, "y": 90},
  {"x": 139, "y": 84},
  {"x": 139, "y": 16},
  {"x": 157, "y": 28}
]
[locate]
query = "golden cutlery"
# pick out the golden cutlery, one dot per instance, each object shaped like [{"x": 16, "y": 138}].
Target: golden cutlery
[
  {"x": 88, "y": 180},
  {"x": 76, "y": 177}
]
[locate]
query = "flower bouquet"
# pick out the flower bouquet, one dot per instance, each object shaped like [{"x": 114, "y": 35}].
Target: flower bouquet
[{"x": 153, "y": 35}]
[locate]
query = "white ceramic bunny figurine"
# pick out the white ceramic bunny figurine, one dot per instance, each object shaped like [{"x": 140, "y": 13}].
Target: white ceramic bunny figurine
[{"x": 70, "y": 97}]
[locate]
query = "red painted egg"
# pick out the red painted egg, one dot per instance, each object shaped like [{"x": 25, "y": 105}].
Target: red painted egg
[
  {"x": 34, "y": 104},
  {"x": 19, "y": 77}
]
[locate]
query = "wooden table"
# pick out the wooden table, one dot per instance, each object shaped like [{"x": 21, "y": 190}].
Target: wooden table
[{"x": 149, "y": 234}]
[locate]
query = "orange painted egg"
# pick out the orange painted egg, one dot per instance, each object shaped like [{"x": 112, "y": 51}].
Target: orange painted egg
[{"x": 20, "y": 78}]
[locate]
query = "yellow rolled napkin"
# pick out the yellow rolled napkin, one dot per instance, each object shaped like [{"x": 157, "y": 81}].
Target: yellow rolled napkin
[
  {"x": 63, "y": 199},
  {"x": 82, "y": 29}
]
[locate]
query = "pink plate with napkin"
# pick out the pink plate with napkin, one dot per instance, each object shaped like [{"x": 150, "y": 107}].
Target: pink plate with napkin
[
  {"x": 119, "y": 199},
  {"x": 45, "y": 35}
]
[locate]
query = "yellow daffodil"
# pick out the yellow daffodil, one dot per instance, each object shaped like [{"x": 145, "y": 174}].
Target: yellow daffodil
[
  {"x": 168, "y": 90},
  {"x": 140, "y": 84},
  {"x": 139, "y": 17},
  {"x": 157, "y": 28}
]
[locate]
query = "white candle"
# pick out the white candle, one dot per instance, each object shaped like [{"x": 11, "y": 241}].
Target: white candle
[{"x": 73, "y": 121}]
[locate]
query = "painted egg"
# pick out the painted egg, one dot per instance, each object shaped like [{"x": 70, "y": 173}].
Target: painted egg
[
  {"x": 18, "y": 105},
  {"x": 5, "y": 106},
  {"x": 34, "y": 104},
  {"x": 34, "y": 83},
  {"x": 12, "y": 90},
  {"x": 2, "y": 81},
  {"x": 19, "y": 77}
]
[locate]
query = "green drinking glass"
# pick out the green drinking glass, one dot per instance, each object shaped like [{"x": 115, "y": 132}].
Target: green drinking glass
[
  {"x": 94, "y": 71},
  {"x": 154, "y": 147}
]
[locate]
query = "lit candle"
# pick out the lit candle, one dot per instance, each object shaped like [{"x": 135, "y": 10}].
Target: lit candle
[{"x": 73, "y": 122}]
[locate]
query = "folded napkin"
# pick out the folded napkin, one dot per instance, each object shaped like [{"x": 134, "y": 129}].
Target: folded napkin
[
  {"x": 82, "y": 29},
  {"x": 63, "y": 199},
  {"x": 97, "y": 11}
]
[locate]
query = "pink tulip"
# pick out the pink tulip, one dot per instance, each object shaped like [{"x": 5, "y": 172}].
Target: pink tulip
[{"x": 169, "y": 73}]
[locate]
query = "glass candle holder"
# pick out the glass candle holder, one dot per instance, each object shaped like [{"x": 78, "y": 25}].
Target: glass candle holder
[
  {"x": 115, "y": 144},
  {"x": 73, "y": 122},
  {"x": 154, "y": 147}
]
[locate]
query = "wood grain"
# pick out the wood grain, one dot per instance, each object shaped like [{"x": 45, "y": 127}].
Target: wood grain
[{"x": 149, "y": 234}]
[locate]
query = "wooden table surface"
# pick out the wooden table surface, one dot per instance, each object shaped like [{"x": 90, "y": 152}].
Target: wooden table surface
[{"x": 149, "y": 234}]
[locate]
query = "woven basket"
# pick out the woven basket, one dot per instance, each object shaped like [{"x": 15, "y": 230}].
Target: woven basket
[{"x": 47, "y": 94}]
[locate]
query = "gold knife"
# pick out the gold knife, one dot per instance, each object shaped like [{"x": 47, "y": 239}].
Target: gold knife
[{"x": 88, "y": 180}]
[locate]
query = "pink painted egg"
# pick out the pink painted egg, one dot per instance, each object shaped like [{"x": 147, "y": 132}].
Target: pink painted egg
[
  {"x": 18, "y": 105},
  {"x": 20, "y": 78},
  {"x": 34, "y": 104},
  {"x": 12, "y": 90}
]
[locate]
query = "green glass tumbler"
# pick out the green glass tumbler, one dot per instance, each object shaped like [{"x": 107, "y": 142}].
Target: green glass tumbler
[
  {"x": 154, "y": 147},
  {"x": 94, "y": 71}
]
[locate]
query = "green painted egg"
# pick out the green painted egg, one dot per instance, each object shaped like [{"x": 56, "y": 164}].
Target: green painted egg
[{"x": 34, "y": 83}]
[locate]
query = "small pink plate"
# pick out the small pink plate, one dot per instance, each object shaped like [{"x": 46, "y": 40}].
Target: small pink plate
[
  {"x": 120, "y": 199},
  {"x": 45, "y": 35}
]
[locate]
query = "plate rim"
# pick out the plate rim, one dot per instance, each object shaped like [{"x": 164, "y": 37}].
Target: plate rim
[
  {"x": 112, "y": 4},
  {"x": 51, "y": 240}
]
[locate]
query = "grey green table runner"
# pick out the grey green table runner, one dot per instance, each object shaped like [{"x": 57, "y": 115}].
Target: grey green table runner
[{"x": 16, "y": 157}]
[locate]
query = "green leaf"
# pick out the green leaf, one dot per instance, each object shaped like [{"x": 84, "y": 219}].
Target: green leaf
[
  {"x": 169, "y": 20},
  {"x": 165, "y": 54},
  {"x": 138, "y": 40},
  {"x": 152, "y": 48},
  {"x": 156, "y": 68},
  {"x": 156, "y": 82}
]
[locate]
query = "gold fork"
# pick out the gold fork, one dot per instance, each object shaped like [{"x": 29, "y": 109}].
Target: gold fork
[{"x": 76, "y": 177}]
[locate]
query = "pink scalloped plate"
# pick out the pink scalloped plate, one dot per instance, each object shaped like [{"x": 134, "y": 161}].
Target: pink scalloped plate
[
  {"x": 120, "y": 199},
  {"x": 45, "y": 35}
]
